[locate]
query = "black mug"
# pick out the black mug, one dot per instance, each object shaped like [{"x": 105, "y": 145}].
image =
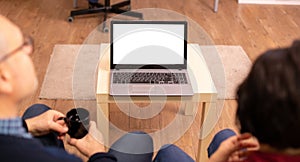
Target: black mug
[{"x": 78, "y": 122}]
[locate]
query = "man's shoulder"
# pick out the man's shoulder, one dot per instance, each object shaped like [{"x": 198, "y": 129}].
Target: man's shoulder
[{"x": 21, "y": 149}]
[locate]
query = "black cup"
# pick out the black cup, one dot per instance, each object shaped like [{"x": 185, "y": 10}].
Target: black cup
[{"x": 78, "y": 122}]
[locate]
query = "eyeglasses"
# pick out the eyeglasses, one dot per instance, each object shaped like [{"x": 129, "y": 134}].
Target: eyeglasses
[{"x": 28, "y": 43}]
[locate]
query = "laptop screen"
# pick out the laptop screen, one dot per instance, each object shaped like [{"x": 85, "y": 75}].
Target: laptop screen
[{"x": 148, "y": 44}]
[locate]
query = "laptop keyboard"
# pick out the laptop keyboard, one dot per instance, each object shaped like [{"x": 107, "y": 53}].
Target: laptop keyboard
[{"x": 149, "y": 78}]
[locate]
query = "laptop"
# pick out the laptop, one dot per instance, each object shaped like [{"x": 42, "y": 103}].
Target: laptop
[{"x": 149, "y": 58}]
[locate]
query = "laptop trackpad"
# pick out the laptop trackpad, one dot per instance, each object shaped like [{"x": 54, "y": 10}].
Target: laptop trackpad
[{"x": 147, "y": 90}]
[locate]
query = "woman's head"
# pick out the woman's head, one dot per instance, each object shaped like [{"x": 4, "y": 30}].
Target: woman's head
[{"x": 269, "y": 98}]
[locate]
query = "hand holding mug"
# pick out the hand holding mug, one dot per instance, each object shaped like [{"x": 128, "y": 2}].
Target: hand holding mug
[{"x": 78, "y": 122}]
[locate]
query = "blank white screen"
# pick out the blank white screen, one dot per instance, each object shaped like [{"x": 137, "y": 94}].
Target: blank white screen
[{"x": 148, "y": 44}]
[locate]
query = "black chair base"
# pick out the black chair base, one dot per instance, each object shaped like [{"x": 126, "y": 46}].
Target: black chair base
[{"x": 106, "y": 9}]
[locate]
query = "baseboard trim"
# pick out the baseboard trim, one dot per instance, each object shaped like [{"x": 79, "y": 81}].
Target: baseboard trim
[{"x": 275, "y": 2}]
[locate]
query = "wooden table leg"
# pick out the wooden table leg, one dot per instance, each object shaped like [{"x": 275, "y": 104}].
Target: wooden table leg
[
  {"x": 103, "y": 121},
  {"x": 205, "y": 128}
]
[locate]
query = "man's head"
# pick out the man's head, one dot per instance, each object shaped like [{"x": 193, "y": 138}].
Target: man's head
[
  {"x": 269, "y": 98},
  {"x": 17, "y": 74}
]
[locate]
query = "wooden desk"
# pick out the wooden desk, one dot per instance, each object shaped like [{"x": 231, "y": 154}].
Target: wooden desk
[{"x": 203, "y": 87}]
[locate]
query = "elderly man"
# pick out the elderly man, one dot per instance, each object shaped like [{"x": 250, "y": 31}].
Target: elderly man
[{"x": 18, "y": 81}]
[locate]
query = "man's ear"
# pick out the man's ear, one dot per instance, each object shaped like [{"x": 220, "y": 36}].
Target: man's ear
[{"x": 6, "y": 85}]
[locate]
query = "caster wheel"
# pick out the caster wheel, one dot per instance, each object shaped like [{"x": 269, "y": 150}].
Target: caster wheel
[
  {"x": 105, "y": 29},
  {"x": 70, "y": 19}
]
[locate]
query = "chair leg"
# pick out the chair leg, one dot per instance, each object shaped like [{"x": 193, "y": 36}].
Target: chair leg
[
  {"x": 121, "y": 4},
  {"x": 216, "y": 5},
  {"x": 106, "y": 8},
  {"x": 86, "y": 11},
  {"x": 104, "y": 27},
  {"x": 127, "y": 13}
]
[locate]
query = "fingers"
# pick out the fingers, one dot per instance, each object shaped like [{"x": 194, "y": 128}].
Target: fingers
[
  {"x": 56, "y": 115},
  {"x": 247, "y": 141},
  {"x": 235, "y": 148},
  {"x": 244, "y": 136},
  {"x": 61, "y": 136},
  {"x": 248, "y": 145},
  {"x": 55, "y": 124},
  {"x": 61, "y": 122},
  {"x": 240, "y": 155},
  {"x": 61, "y": 129},
  {"x": 74, "y": 142},
  {"x": 71, "y": 141}
]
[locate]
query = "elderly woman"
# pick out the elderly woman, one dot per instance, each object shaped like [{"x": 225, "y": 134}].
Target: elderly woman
[{"x": 269, "y": 109}]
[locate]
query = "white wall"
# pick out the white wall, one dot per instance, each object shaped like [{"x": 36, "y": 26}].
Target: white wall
[{"x": 282, "y": 2}]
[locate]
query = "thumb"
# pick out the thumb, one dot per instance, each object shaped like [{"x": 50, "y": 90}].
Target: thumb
[{"x": 71, "y": 141}]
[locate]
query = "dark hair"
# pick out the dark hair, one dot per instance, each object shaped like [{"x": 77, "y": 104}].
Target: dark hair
[{"x": 269, "y": 98}]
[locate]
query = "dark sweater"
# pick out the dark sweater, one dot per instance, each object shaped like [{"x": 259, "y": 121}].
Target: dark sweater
[
  {"x": 17, "y": 149},
  {"x": 271, "y": 157}
]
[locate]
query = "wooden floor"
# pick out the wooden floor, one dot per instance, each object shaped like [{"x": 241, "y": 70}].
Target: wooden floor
[{"x": 254, "y": 27}]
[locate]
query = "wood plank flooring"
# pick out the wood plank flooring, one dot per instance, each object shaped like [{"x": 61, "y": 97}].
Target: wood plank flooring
[{"x": 254, "y": 27}]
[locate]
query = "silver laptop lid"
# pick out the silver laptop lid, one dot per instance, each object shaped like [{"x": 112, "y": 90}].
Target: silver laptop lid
[{"x": 148, "y": 45}]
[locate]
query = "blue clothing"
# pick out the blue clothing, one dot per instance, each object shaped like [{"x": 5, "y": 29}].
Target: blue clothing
[
  {"x": 93, "y": 1},
  {"x": 138, "y": 147},
  {"x": 13, "y": 127},
  {"x": 218, "y": 139},
  {"x": 171, "y": 153},
  {"x": 133, "y": 147}
]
